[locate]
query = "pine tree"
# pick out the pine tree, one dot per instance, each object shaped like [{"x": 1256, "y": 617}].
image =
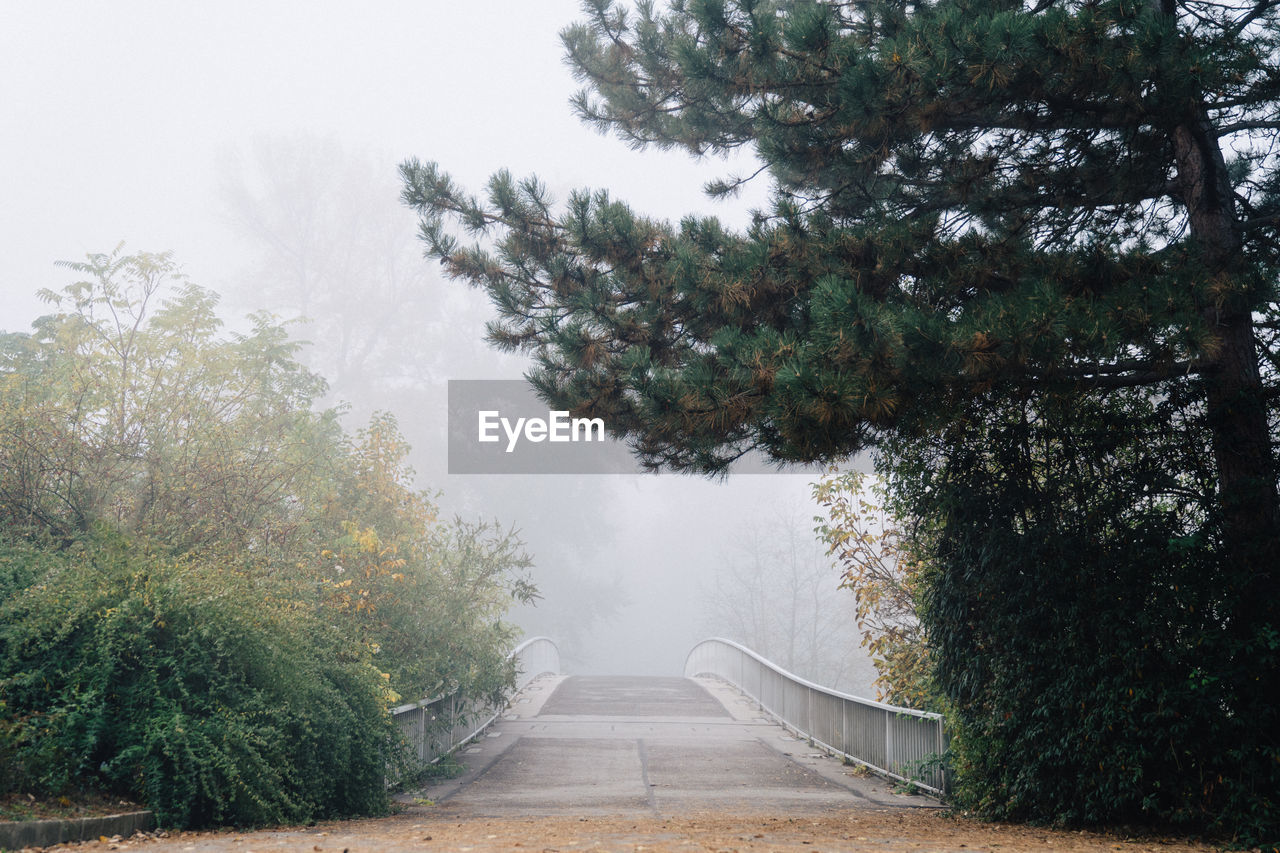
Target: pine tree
[
  {"x": 972, "y": 198},
  {"x": 969, "y": 193}
]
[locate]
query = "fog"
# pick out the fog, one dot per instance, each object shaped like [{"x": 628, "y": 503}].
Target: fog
[{"x": 259, "y": 141}]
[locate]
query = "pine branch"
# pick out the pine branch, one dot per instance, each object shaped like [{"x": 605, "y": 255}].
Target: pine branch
[
  {"x": 1130, "y": 373},
  {"x": 1236, "y": 127},
  {"x": 1269, "y": 221},
  {"x": 1260, "y": 8}
]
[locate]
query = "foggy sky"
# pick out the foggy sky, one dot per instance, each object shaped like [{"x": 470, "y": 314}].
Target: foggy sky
[{"x": 120, "y": 120}]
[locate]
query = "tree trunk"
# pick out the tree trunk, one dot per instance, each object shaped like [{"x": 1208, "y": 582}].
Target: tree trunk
[{"x": 1235, "y": 401}]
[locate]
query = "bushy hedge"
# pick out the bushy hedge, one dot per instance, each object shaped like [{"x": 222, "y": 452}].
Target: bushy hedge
[
  {"x": 186, "y": 687},
  {"x": 210, "y": 593},
  {"x": 1082, "y": 612}
]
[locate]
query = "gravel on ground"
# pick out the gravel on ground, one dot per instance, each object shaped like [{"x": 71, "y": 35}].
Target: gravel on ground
[{"x": 437, "y": 828}]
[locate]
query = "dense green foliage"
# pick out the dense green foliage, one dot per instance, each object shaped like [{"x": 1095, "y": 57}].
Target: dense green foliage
[
  {"x": 1038, "y": 240},
  {"x": 181, "y": 685},
  {"x": 210, "y": 595},
  {"x": 1073, "y": 597}
]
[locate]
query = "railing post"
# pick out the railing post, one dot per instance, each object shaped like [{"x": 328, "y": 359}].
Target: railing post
[{"x": 890, "y": 757}]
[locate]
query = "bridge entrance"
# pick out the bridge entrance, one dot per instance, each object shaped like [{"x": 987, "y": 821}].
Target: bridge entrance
[
  {"x": 595, "y": 745},
  {"x": 655, "y": 764}
]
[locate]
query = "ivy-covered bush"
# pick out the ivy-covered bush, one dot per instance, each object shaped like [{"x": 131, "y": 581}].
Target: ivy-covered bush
[{"x": 190, "y": 688}]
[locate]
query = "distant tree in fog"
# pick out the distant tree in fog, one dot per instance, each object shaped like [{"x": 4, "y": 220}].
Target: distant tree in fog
[
  {"x": 779, "y": 594},
  {"x": 333, "y": 247}
]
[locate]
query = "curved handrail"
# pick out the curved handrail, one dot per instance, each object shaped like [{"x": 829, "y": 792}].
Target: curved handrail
[
  {"x": 889, "y": 739},
  {"x": 873, "y": 703},
  {"x": 540, "y": 655},
  {"x": 529, "y": 642},
  {"x": 535, "y": 656}
]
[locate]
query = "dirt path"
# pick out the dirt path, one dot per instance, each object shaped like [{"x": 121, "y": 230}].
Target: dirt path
[{"x": 433, "y": 828}]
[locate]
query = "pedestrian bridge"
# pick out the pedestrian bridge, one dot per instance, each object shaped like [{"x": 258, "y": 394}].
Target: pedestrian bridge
[{"x": 737, "y": 734}]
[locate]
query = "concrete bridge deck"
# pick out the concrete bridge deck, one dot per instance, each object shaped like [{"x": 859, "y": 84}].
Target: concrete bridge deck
[{"x": 648, "y": 746}]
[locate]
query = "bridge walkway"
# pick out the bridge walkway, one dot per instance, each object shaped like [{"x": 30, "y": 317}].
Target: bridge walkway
[{"x": 648, "y": 746}]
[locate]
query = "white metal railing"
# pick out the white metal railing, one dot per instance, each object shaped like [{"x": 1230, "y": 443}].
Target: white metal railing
[
  {"x": 435, "y": 726},
  {"x": 898, "y": 742}
]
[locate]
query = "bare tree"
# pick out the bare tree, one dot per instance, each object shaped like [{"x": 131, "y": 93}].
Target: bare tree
[
  {"x": 334, "y": 249},
  {"x": 779, "y": 594}
]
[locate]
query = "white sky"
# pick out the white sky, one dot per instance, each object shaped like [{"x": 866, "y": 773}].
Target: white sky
[{"x": 115, "y": 116}]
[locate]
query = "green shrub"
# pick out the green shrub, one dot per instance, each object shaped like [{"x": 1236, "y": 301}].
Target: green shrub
[
  {"x": 1083, "y": 616},
  {"x": 190, "y": 688},
  {"x": 198, "y": 580},
  {"x": 22, "y": 563}
]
